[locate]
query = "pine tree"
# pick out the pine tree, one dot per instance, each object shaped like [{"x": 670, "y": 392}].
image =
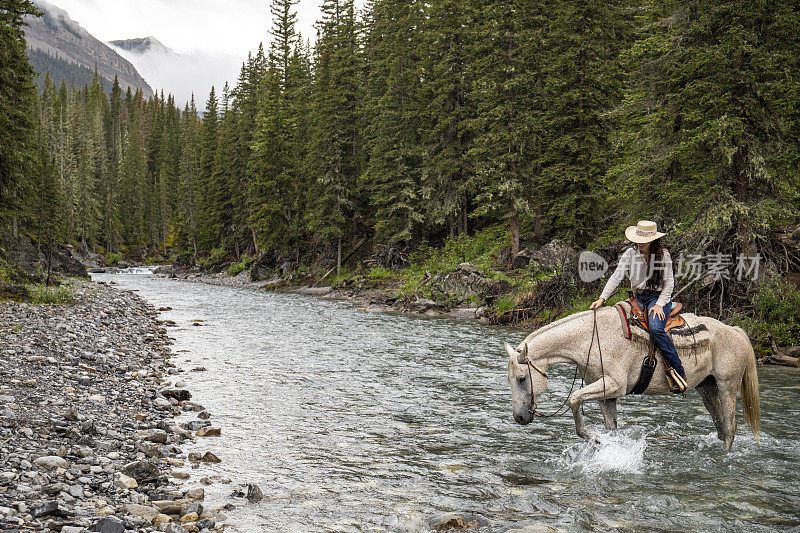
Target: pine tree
[
  {"x": 583, "y": 84},
  {"x": 507, "y": 70},
  {"x": 17, "y": 95},
  {"x": 208, "y": 230},
  {"x": 394, "y": 110},
  {"x": 708, "y": 118},
  {"x": 447, "y": 174},
  {"x": 335, "y": 141}
]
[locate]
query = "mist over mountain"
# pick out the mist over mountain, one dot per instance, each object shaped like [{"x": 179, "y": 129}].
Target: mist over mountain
[
  {"x": 63, "y": 47},
  {"x": 181, "y": 74},
  {"x": 142, "y": 45}
]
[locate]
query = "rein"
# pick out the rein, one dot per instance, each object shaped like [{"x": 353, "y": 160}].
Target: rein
[{"x": 558, "y": 412}]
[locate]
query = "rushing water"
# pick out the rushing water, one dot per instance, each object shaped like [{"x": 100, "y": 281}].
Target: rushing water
[{"x": 358, "y": 421}]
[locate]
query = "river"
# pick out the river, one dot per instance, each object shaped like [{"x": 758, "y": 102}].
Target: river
[{"x": 358, "y": 421}]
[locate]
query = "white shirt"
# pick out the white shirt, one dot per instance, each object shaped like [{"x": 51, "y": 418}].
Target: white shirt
[{"x": 633, "y": 264}]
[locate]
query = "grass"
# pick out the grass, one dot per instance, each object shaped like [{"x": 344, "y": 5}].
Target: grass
[{"x": 43, "y": 294}]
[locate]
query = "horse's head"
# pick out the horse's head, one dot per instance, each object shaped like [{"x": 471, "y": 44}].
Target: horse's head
[{"x": 522, "y": 375}]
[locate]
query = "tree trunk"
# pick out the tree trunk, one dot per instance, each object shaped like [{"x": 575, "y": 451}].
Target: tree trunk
[
  {"x": 339, "y": 254},
  {"x": 514, "y": 235}
]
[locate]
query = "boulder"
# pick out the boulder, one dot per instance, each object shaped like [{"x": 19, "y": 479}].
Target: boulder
[{"x": 554, "y": 256}]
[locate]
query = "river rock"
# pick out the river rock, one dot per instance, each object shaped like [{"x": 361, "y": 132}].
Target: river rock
[
  {"x": 141, "y": 471},
  {"x": 170, "y": 506},
  {"x": 51, "y": 462},
  {"x": 451, "y": 521},
  {"x": 124, "y": 482},
  {"x": 157, "y": 435},
  {"x": 254, "y": 493},
  {"x": 209, "y": 457},
  {"x": 209, "y": 432},
  {"x": 109, "y": 524},
  {"x": 180, "y": 395},
  {"x": 44, "y": 508},
  {"x": 147, "y": 512},
  {"x": 196, "y": 508},
  {"x": 197, "y": 494},
  {"x": 161, "y": 519}
]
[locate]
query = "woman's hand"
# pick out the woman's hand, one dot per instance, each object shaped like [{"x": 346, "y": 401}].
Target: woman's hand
[
  {"x": 597, "y": 303},
  {"x": 657, "y": 311}
]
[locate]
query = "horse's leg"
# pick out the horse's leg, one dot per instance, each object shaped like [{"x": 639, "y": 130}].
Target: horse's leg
[
  {"x": 709, "y": 392},
  {"x": 728, "y": 390},
  {"x": 593, "y": 391},
  {"x": 609, "y": 410}
]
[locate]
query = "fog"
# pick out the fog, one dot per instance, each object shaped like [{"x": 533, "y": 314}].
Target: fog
[{"x": 184, "y": 74}]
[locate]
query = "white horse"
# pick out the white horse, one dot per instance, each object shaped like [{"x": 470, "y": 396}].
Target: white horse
[{"x": 716, "y": 370}]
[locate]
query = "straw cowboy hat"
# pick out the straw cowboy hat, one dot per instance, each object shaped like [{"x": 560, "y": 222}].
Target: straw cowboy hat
[{"x": 644, "y": 231}]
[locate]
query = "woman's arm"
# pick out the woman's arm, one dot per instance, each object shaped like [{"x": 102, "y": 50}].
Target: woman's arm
[
  {"x": 667, "y": 278},
  {"x": 619, "y": 274}
]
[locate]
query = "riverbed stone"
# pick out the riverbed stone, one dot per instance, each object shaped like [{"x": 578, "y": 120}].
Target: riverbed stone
[
  {"x": 209, "y": 432},
  {"x": 254, "y": 493},
  {"x": 110, "y": 524},
  {"x": 148, "y": 512},
  {"x": 51, "y": 462}
]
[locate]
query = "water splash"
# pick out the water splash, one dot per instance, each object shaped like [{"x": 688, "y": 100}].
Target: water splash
[{"x": 607, "y": 452}]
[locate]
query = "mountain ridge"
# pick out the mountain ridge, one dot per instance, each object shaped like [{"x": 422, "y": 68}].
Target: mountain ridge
[{"x": 57, "y": 42}]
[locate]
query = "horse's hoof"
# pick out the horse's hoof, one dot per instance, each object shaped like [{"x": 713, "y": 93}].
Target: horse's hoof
[{"x": 594, "y": 440}]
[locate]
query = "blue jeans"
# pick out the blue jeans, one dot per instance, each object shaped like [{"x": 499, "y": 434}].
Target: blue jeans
[{"x": 647, "y": 299}]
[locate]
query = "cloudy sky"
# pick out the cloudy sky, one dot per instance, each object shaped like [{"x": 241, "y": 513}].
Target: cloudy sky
[{"x": 211, "y": 36}]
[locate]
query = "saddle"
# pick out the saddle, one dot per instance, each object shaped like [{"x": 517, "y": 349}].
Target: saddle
[{"x": 674, "y": 320}]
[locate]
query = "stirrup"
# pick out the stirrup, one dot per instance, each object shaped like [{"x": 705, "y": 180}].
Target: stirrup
[{"x": 677, "y": 385}]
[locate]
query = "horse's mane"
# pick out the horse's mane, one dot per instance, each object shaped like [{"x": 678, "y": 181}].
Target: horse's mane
[{"x": 558, "y": 322}]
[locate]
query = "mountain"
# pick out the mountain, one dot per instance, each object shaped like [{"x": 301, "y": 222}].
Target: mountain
[
  {"x": 59, "y": 45},
  {"x": 142, "y": 45}
]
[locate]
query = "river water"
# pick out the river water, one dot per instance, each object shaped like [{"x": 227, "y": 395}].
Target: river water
[{"x": 358, "y": 421}]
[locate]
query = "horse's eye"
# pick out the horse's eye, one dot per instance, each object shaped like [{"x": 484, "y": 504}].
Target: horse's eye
[{"x": 522, "y": 379}]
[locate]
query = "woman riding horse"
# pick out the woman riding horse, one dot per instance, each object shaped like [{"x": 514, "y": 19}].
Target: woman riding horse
[{"x": 649, "y": 266}]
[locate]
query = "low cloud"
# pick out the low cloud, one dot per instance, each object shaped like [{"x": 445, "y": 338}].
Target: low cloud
[{"x": 187, "y": 73}]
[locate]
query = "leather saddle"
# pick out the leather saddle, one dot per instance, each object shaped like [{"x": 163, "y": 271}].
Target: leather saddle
[{"x": 674, "y": 320}]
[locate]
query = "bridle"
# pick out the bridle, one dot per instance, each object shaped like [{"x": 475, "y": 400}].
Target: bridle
[
  {"x": 532, "y": 408},
  {"x": 558, "y": 412}
]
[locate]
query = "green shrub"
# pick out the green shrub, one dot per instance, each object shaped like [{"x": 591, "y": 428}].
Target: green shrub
[
  {"x": 776, "y": 312},
  {"x": 241, "y": 266},
  {"x": 43, "y": 294},
  {"x": 113, "y": 258}
]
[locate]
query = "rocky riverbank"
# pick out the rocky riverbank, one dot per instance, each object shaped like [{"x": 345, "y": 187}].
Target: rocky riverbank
[
  {"x": 88, "y": 440},
  {"x": 463, "y": 293}
]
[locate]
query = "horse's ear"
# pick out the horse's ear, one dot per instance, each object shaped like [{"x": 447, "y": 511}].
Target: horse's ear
[
  {"x": 510, "y": 351},
  {"x": 522, "y": 358}
]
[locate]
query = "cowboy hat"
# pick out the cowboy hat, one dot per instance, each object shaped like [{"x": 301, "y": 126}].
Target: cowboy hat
[{"x": 644, "y": 231}]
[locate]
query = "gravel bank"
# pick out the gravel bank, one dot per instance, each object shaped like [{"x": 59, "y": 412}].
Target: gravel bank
[{"x": 87, "y": 437}]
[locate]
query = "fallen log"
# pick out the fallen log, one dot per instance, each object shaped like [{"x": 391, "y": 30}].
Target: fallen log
[{"x": 781, "y": 356}]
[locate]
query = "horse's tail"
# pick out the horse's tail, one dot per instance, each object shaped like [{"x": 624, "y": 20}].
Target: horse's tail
[{"x": 750, "y": 400}]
